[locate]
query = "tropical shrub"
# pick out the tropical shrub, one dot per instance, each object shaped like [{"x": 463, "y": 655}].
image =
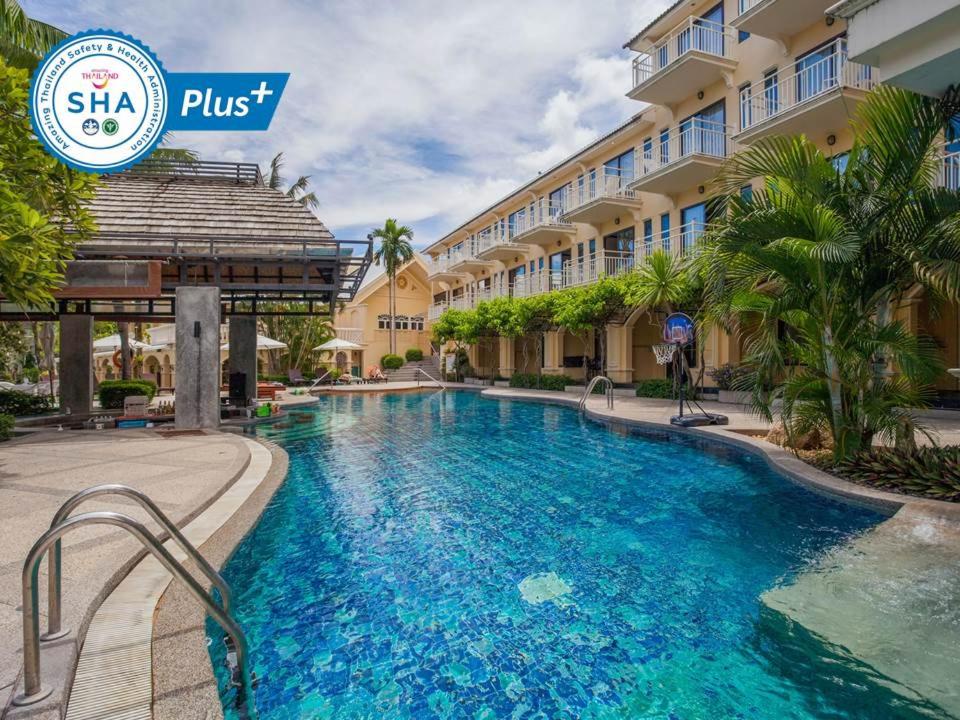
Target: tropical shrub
[
  {"x": 930, "y": 471},
  {"x": 413, "y": 355},
  {"x": 112, "y": 392},
  {"x": 391, "y": 362},
  {"x": 655, "y": 388},
  {"x": 532, "y": 381},
  {"x": 6, "y": 426},
  {"x": 728, "y": 376},
  {"x": 13, "y": 402},
  {"x": 32, "y": 374}
]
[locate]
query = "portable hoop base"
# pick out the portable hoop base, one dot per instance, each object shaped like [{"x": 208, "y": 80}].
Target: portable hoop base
[{"x": 699, "y": 420}]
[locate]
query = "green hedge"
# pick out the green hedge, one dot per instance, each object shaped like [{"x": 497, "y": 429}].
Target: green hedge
[
  {"x": 14, "y": 402},
  {"x": 414, "y": 355},
  {"x": 391, "y": 362},
  {"x": 659, "y": 388},
  {"x": 112, "y": 392},
  {"x": 6, "y": 426},
  {"x": 532, "y": 381}
]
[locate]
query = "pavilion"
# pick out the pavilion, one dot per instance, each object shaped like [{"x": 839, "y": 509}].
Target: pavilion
[{"x": 198, "y": 243}]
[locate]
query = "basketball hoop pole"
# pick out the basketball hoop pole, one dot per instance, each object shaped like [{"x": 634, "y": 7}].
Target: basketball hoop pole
[{"x": 678, "y": 353}]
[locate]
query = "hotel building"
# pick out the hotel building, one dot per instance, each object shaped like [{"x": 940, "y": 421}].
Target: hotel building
[{"x": 715, "y": 77}]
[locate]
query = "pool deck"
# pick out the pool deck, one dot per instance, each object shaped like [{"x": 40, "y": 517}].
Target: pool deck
[{"x": 187, "y": 473}]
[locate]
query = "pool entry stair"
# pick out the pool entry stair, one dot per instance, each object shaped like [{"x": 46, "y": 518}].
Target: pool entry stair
[{"x": 886, "y": 604}]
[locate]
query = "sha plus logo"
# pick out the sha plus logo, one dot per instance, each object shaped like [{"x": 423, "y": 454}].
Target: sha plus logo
[{"x": 87, "y": 89}]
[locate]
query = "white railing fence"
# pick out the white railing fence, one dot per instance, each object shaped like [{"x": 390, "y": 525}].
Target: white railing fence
[
  {"x": 539, "y": 214},
  {"x": 776, "y": 94},
  {"x": 590, "y": 268},
  {"x": 950, "y": 170},
  {"x": 693, "y": 137},
  {"x": 693, "y": 34},
  {"x": 681, "y": 242},
  {"x": 354, "y": 335},
  {"x": 602, "y": 183}
]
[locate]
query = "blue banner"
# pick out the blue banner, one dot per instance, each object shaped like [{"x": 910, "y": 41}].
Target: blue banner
[{"x": 223, "y": 101}]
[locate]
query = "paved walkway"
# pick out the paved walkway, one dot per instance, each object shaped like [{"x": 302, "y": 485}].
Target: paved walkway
[{"x": 181, "y": 472}]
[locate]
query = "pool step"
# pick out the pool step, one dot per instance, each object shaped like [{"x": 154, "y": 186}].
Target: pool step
[{"x": 888, "y": 602}]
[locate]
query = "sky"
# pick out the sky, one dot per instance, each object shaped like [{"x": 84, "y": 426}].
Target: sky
[{"x": 423, "y": 110}]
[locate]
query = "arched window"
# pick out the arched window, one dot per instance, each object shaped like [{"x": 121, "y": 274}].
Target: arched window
[
  {"x": 383, "y": 322},
  {"x": 416, "y": 322},
  {"x": 403, "y": 322}
]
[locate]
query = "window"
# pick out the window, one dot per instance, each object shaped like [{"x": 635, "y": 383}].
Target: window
[
  {"x": 621, "y": 168},
  {"x": 416, "y": 322},
  {"x": 741, "y": 36},
  {"x": 557, "y": 262},
  {"x": 647, "y": 155},
  {"x": 665, "y": 146},
  {"x": 593, "y": 246},
  {"x": 705, "y": 132},
  {"x": 403, "y": 322},
  {"x": 515, "y": 222},
  {"x": 746, "y": 193},
  {"x": 817, "y": 71},
  {"x": 693, "y": 222},
  {"x": 840, "y": 161},
  {"x": 771, "y": 92},
  {"x": 620, "y": 241},
  {"x": 383, "y": 322},
  {"x": 665, "y": 231},
  {"x": 648, "y": 234},
  {"x": 556, "y": 201},
  {"x": 746, "y": 106},
  {"x": 533, "y": 267}
]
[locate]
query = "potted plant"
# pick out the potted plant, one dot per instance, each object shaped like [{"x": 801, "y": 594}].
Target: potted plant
[{"x": 728, "y": 389}]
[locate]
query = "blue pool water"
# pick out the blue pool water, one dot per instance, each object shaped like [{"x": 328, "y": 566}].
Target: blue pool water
[{"x": 435, "y": 556}]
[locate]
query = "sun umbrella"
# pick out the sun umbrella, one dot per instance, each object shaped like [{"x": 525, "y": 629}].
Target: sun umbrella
[
  {"x": 263, "y": 343},
  {"x": 338, "y": 344},
  {"x": 112, "y": 343}
]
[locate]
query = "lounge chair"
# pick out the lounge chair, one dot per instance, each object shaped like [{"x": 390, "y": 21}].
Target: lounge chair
[
  {"x": 296, "y": 377},
  {"x": 375, "y": 375}
]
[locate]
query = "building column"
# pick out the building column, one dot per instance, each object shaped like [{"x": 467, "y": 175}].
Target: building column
[
  {"x": 76, "y": 364},
  {"x": 243, "y": 351},
  {"x": 620, "y": 354},
  {"x": 198, "y": 357},
  {"x": 553, "y": 352},
  {"x": 508, "y": 351}
]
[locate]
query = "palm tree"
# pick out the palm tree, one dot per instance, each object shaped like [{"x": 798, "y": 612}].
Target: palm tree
[
  {"x": 23, "y": 40},
  {"x": 298, "y": 191},
  {"x": 395, "y": 250},
  {"x": 811, "y": 269}
]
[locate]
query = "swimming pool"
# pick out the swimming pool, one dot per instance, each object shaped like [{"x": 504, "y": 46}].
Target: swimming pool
[{"x": 452, "y": 556}]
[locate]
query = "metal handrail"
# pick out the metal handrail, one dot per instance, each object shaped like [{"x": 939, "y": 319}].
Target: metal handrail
[
  {"x": 318, "y": 381},
  {"x": 589, "y": 390},
  {"x": 54, "y": 630},
  {"x": 33, "y": 689},
  {"x": 442, "y": 386}
]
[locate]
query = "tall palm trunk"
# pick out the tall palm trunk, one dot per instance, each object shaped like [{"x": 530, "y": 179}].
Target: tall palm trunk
[{"x": 393, "y": 312}]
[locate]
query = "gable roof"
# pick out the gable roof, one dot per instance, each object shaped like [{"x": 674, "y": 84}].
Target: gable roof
[{"x": 417, "y": 265}]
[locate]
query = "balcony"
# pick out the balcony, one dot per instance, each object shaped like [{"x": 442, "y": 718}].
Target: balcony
[
  {"x": 821, "y": 97},
  {"x": 680, "y": 243},
  {"x": 436, "y": 310},
  {"x": 779, "y": 19},
  {"x": 466, "y": 260},
  {"x": 695, "y": 54},
  {"x": 950, "y": 169},
  {"x": 587, "y": 270},
  {"x": 604, "y": 195},
  {"x": 354, "y": 335},
  {"x": 688, "y": 156},
  {"x": 441, "y": 269},
  {"x": 495, "y": 245},
  {"x": 541, "y": 224},
  {"x": 536, "y": 283}
]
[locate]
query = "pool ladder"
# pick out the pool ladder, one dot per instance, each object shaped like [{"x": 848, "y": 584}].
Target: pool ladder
[
  {"x": 238, "y": 655},
  {"x": 589, "y": 390},
  {"x": 420, "y": 369}
]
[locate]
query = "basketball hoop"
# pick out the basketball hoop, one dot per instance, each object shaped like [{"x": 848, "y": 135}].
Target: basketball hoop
[{"x": 664, "y": 353}]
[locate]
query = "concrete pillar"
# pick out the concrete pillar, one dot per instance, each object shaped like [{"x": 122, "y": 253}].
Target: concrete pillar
[
  {"x": 553, "y": 352},
  {"x": 508, "y": 352},
  {"x": 243, "y": 351},
  {"x": 76, "y": 363},
  {"x": 198, "y": 357},
  {"x": 620, "y": 354}
]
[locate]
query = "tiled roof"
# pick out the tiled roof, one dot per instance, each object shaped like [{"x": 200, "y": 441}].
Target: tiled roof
[
  {"x": 159, "y": 205},
  {"x": 627, "y": 45}
]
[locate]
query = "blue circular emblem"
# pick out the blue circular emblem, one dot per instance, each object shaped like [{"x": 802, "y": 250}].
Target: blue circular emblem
[{"x": 93, "y": 77}]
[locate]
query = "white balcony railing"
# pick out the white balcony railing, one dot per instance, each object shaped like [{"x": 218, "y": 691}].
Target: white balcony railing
[
  {"x": 540, "y": 214},
  {"x": 693, "y": 34},
  {"x": 436, "y": 310},
  {"x": 535, "y": 283},
  {"x": 681, "y": 242},
  {"x": 354, "y": 335},
  {"x": 950, "y": 170},
  {"x": 772, "y": 96},
  {"x": 492, "y": 237},
  {"x": 589, "y": 269},
  {"x": 602, "y": 184},
  {"x": 439, "y": 264},
  {"x": 693, "y": 137}
]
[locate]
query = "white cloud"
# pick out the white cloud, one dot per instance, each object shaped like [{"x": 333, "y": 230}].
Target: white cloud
[{"x": 422, "y": 110}]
